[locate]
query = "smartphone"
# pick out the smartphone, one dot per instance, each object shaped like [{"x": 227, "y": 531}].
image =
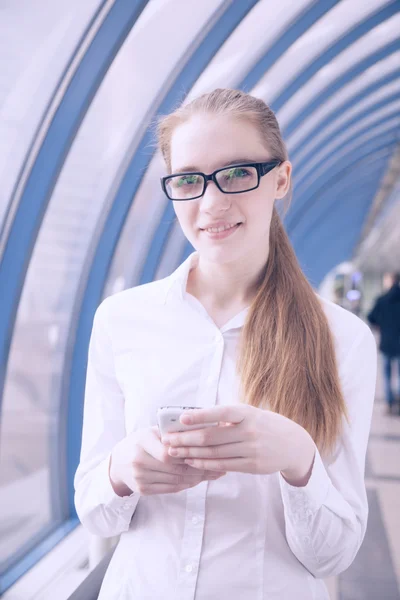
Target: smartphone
[{"x": 168, "y": 419}]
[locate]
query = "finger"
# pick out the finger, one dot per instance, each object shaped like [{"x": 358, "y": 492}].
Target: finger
[
  {"x": 155, "y": 452},
  {"x": 228, "y": 414},
  {"x": 242, "y": 465},
  {"x": 211, "y": 436},
  {"x": 236, "y": 450}
]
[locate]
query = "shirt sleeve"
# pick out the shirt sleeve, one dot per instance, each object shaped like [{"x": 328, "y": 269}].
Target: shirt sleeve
[
  {"x": 100, "y": 510},
  {"x": 326, "y": 520}
]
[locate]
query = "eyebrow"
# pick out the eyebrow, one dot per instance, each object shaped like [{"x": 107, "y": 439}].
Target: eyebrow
[{"x": 236, "y": 161}]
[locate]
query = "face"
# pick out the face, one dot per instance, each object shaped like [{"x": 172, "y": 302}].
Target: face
[{"x": 206, "y": 143}]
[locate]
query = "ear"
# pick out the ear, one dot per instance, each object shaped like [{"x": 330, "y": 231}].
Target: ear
[{"x": 284, "y": 173}]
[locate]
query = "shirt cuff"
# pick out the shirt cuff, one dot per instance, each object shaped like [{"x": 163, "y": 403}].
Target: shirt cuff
[
  {"x": 106, "y": 493},
  {"x": 301, "y": 503}
]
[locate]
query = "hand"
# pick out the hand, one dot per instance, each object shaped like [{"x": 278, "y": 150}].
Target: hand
[
  {"x": 249, "y": 440},
  {"x": 140, "y": 463}
]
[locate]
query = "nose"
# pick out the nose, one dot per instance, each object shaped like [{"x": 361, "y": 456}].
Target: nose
[{"x": 214, "y": 198}]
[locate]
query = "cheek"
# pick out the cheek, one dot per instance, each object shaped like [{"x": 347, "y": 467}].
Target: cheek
[
  {"x": 186, "y": 215},
  {"x": 260, "y": 209}
]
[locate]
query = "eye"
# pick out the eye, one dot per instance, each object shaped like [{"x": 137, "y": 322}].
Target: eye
[
  {"x": 186, "y": 180},
  {"x": 236, "y": 173}
]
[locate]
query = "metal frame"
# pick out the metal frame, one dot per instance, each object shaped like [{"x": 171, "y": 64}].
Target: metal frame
[
  {"x": 368, "y": 131},
  {"x": 345, "y": 126},
  {"x": 98, "y": 266},
  {"x": 36, "y": 194},
  {"x": 369, "y": 169},
  {"x": 339, "y": 110},
  {"x": 330, "y": 255},
  {"x": 346, "y": 163},
  {"x": 333, "y": 50},
  {"x": 313, "y": 12},
  {"x": 344, "y": 78}
]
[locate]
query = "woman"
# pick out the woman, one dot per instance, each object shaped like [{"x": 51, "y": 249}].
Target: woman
[{"x": 273, "y": 499}]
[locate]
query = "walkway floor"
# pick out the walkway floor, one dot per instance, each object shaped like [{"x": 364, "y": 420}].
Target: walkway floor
[{"x": 375, "y": 573}]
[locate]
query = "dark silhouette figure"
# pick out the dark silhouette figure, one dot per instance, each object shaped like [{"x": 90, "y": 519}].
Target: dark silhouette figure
[{"x": 386, "y": 316}]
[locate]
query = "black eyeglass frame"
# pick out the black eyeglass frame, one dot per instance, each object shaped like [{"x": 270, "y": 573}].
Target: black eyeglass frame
[{"x": 262, "y": 169}]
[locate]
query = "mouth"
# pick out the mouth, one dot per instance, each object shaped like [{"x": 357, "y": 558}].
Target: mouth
[
  {"x": 224, "y": 230},
  {"x": 222, "y": 234}
]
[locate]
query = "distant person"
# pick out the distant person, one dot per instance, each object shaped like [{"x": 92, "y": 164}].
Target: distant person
[{"x": 386, "y": 316}]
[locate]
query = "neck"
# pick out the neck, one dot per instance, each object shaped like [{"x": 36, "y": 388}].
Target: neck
[{"x": 226, "y": 284}]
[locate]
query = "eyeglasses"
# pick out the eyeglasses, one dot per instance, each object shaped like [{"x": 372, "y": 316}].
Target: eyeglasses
[{"x": 229, "y": 180}]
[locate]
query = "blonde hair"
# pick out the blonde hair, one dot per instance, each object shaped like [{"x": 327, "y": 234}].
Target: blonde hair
[{"x": 286, "y": 360}]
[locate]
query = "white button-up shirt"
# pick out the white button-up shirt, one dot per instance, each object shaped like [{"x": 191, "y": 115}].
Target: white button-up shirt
[{"x": 242, "y": 536}]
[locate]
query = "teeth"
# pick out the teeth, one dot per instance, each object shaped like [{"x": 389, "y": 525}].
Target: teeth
[{"x": 219, "y": 229}]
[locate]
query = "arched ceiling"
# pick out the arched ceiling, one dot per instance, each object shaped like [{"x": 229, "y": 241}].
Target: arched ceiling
[{"x": 330, "y": 70}]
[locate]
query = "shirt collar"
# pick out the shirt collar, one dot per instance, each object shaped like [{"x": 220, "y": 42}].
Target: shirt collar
[
  {"x": 178, "y": 279},
  {"x": 178, "y": 282}
]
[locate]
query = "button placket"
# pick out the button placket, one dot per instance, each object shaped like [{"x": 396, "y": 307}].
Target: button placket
[{"x": 192, "y": 540}]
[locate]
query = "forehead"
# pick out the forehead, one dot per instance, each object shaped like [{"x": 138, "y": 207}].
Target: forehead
[{"x": 206, "y": 142}]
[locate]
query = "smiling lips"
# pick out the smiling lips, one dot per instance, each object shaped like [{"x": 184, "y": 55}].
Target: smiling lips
[{"x": 220, "y": 226}]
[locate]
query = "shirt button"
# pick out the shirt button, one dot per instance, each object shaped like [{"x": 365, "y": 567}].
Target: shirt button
[
  {"x": 126, "y": 506},
  {"x": 189, "y": 568},
  {"x": 306, "y": 539},
  {"x": 195, "y": 520}
]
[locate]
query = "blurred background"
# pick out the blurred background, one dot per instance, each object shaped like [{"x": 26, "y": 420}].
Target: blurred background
[{"x": 82, "y": 216}]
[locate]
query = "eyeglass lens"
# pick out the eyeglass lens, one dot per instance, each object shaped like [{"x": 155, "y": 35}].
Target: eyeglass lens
[{"x": 232, "y": 179}]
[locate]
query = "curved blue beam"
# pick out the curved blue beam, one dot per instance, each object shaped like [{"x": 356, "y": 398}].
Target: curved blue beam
[
  {"x": 341, "y": 171},
  {"x": 301, "y": 178},
  {"x": 50, "y": 159},
  {"x": 299, "y": 26},
  {"x": 330, "y": 53},
  {"x": 35, "y": 196},
  {"x": 344, "y": 165},
  {"x": 339, "y": 223},
  {"x": 342, "y": 80},
  {"x": 336, "y": 194},
  {"x": 310, "y": 16},
  {"x": 366, "y": 185},
  {"x": 318, "y": 257},
  {"x": 89, "y": 296},
  {"x": 345, "y": 126},
  {"x": 318, "y": 182},
  {"x": 46, "y": 114},
  {"x": 339, "y": 110}
]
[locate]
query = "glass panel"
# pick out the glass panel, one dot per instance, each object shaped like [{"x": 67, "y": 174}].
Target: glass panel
[
  {"x": 371, "y": 42},
  {"x": 370, "y": 100},
  {"x": 227, "y": 68},
  {"x": 334, "y": 158},
  {"x": 380, "y": 250},
  {"x": 332, "y": 26},
  {"x": 149, "y": 203},
  {"x": 236, "y": 57},
  {"x": 351, "y": 133},
  {"x": 30, "y": 434},
  {"x": 36, "y": 43},
  {"x": 378, "y": 71}
]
